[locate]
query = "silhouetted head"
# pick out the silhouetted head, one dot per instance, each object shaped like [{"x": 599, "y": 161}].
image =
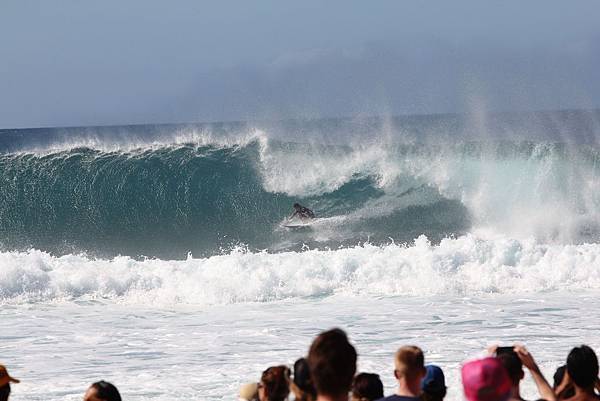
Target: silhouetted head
[
  {"x": 102, "y": 391},
  {"x": 558, "y": 378},
  {"x": 297, "y": 206},
  {"x": 433, "y": 384},
  {"x": 332, "y": 363},
  {"x": 513, "y": 365},
  {"x": 367, "y": 387},
  {"x": 274, "y": 384},
  {"x": 559, "y": 375},
  {"x": 582, "y": 365},
  {"x": 302, "y": 386}
]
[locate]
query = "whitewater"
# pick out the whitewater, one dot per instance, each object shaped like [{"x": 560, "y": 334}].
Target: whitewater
[{"x": 155, "y": 254}]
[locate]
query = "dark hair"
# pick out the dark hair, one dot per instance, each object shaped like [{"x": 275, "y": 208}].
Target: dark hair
[
  {"x": 297, "y": 205},
  {"x": 367, "y": 386},
  {"x": 4, "y": 392},
  {"x": 513, "y": 365},
  {"x": 332, "y": 363},
  {"x": 582, "y": 365},
  {"x": 558, "y": 378},
  {"x": 106, "y": 391},
  {"x": 302, "y": 385},
  {"x": 559, "y": 375},
  {"x": 276, "y": 381}
]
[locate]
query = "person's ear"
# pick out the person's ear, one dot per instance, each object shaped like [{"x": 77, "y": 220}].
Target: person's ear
[
  {"x": 396, "y": 374},
  {"x": 521, "y": 375}
]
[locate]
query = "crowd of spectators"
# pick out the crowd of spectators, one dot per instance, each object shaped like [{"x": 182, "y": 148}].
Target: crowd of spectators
[{"x": 328, "y": 373}]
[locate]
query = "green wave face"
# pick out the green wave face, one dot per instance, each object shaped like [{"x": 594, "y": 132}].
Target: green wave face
[{"x": 172, "y": 200}]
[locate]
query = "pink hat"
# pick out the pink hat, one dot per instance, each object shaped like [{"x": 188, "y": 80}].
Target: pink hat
[{"x": 485, "y": 380}]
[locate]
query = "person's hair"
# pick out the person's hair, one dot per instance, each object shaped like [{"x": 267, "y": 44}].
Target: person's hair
[
  {"x": 296, "y": 205},
  {"x": 513, "y": 365},
  {"x": 276, "y": 381},
  {"x": 558, "y": 378},
  {"x": 582, "y": 365},
  {"x": 332, "y": 363},
  {"x": 559, "y": 375},
  {"x": 367, "y": 386},
  {"x": 106, "y": 391},
  {"x": 302, "y": 386},
  {"x": 409, "y": 361},
  {"x": 4, "y": 392}
]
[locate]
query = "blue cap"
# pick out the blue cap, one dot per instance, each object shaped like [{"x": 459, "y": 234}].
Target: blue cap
[{"x": 434, "y": 379}]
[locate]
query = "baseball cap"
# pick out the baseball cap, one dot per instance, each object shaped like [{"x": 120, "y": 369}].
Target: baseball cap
[{"x": 485, "y": 380}]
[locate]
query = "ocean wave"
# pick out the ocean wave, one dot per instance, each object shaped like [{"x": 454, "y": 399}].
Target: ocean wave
[
  {"x": 463, "y": 266},
  {"x": 178, "y": 198}
]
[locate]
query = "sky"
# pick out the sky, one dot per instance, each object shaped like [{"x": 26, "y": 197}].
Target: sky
[{"x": 76, "y": 62}]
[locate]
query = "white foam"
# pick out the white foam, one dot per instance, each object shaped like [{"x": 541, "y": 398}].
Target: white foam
[
  {"x": 315, "y": 170},
  {"x": 128, "y": 142},
  {"x": 463, "y": 266},
  {"x": 550, "y": 192}
]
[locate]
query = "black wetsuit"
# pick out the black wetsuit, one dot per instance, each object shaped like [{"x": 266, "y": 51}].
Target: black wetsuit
[{"x": 303, "y": 212}]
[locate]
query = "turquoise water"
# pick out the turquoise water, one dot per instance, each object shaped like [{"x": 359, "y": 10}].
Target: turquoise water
[{"x": 167, "y": 191}]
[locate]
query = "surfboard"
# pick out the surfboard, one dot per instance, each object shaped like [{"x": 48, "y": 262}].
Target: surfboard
[{"x": 297, "y": 223}]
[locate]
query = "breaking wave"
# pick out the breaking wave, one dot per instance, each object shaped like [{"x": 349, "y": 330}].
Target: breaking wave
[
  {"x": 462, "y": 266},
  {"x": 167, "y": 200}
]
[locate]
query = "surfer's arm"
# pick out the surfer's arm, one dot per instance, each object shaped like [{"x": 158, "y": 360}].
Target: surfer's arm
[{"x": 293, "y": 215}]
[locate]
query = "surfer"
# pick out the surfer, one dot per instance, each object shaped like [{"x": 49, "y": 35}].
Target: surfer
[{"x": 302, "y": 212}]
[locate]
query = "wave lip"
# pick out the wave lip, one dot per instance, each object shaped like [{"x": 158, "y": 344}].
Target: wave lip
[{"x": 459, "y": 267}]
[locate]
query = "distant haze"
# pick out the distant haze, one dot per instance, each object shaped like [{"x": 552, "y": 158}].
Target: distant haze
[{"x": 72, "y": 62}]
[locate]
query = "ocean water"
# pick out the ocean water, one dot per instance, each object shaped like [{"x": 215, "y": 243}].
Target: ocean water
[{"x": 154, "y": 257}]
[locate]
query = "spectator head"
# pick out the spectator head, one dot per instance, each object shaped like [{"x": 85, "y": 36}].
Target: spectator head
[
  {"x": 332, "y": 363},
  {"x": 5, "y": 380},
  {"x": 249, "y": 392},
  {"x": 582, "y": 366},
  {"x": 274, "y": 384},
  {"x": 513, "y": 365},
  {"x": 367, "y": 387},
  {"x": 433, "y": 384},
  {"x": 485, "y": 380},
  {"x": 409, "y": 363},
  {"x": 558, "y": 378},
  {"x": 102, "y": 391},
  {"x": 302, "y": 386},
  {"x": 559, "y": 375}
]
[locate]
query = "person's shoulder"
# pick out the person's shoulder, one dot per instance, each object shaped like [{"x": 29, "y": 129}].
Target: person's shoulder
[{"x": 396, "y": 397}]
